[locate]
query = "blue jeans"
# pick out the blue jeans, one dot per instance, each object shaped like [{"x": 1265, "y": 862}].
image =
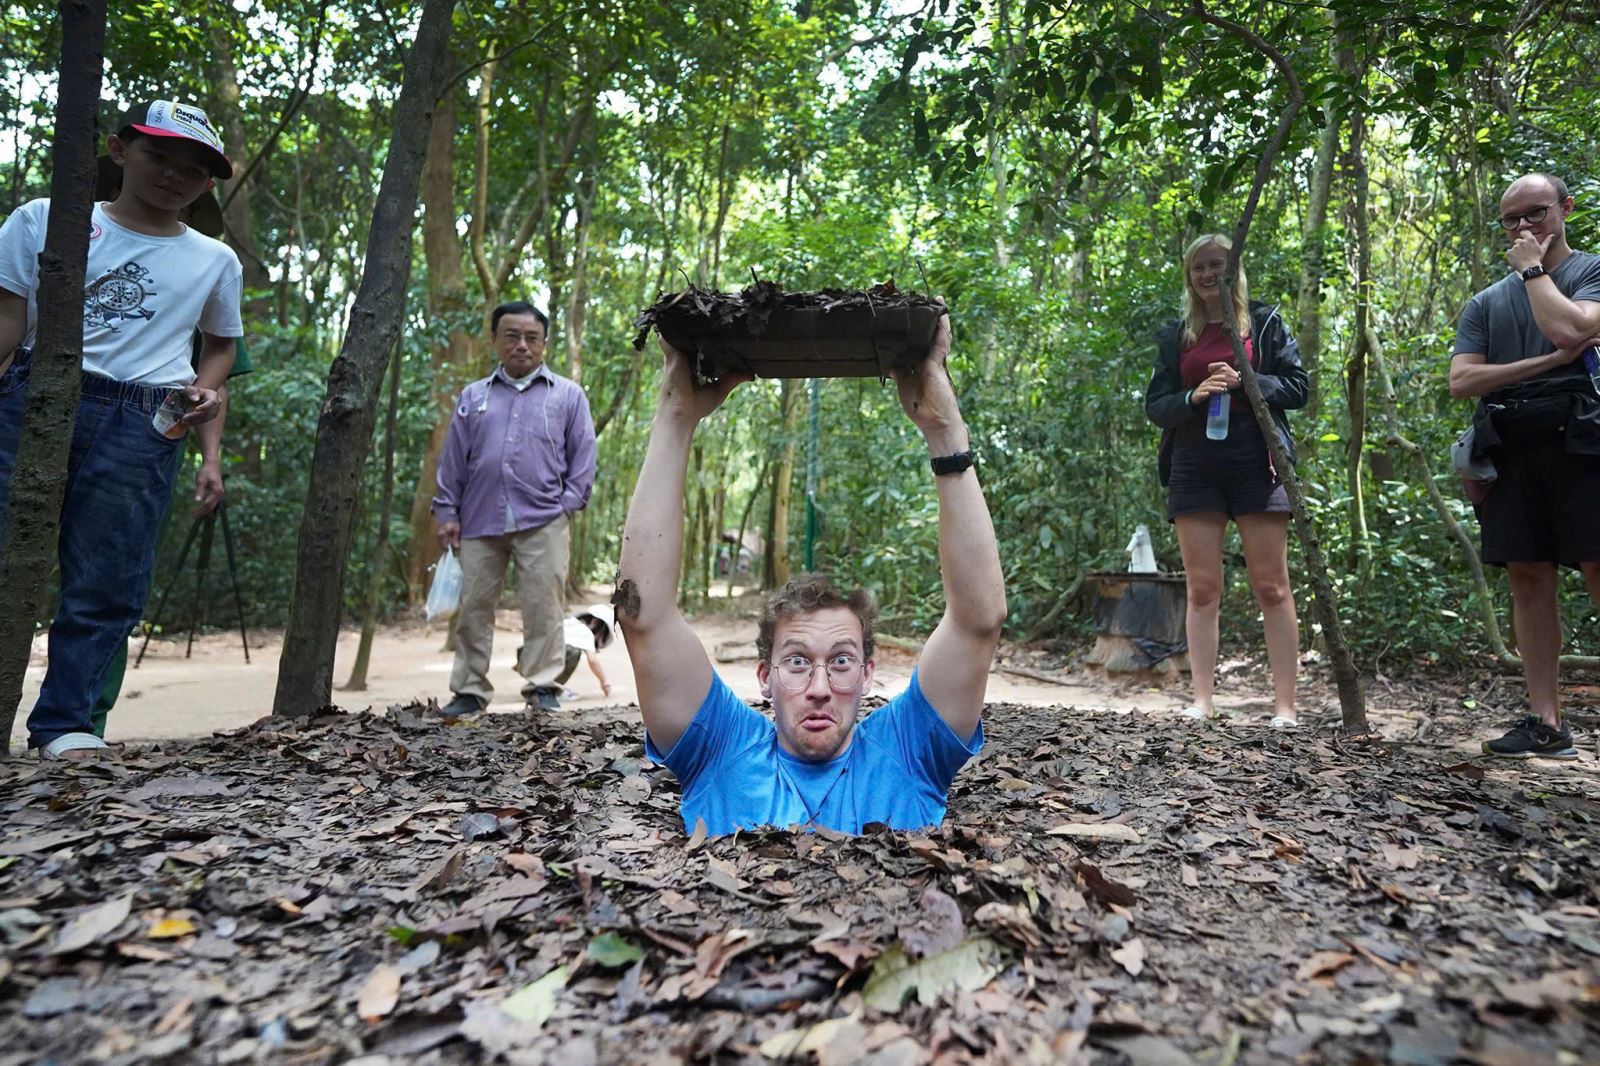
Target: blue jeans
[{"x": 120, "y": 473}]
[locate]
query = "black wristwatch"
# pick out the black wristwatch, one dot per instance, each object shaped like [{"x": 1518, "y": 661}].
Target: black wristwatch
[
  {"x": 951, "y": 464},
  {"x": 1535, "y": 271}
]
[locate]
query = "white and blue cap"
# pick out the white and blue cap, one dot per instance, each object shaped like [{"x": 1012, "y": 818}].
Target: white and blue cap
[{"x": 172, "y": 118}]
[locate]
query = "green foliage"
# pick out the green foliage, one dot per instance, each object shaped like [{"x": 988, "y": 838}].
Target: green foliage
[{"x": 1039, "y": 164}]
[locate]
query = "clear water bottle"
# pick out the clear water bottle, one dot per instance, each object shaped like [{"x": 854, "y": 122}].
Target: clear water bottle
[
  {"x": 1591, "y": 363},
  {"x": 1217, "y": 416}
]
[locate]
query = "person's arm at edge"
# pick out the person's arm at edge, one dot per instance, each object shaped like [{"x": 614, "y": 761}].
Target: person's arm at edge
[
  {"x": 13, "y": 325},
  {"x": 580, "y": 447},
  {"x": 598, "y": 671},
  {"x": 208, "y": 489},
  {"x": 1288, "y": 387},
  {"x": 1565, "y": 323},
  {"x": 1471, "y": 374},
  {"x": 671, "y": 671},
  {"x": 451, "y": 478},
  {"x": 953, "y": 670},
  {"x": 1166, "y": 402}
]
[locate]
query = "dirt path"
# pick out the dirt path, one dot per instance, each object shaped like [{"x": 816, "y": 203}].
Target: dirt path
[
  {"x": 171, "y": 696},
  {"x": 174, "y": 697}
]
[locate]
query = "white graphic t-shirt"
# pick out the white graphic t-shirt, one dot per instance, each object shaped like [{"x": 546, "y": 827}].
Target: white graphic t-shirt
[{"x": 143, "y": 296}]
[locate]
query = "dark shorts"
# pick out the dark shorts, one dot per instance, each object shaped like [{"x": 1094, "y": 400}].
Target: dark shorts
[
  {"x": 1543, "y": 508},
  {"x": 1232, "y": 476}
]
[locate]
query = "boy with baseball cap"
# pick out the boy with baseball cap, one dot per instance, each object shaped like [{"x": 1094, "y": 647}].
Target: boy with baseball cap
[{"x": 151, "y": 282}]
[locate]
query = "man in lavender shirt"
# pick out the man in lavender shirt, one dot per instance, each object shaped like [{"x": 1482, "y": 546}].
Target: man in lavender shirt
[{"x": 517, "y": 462}]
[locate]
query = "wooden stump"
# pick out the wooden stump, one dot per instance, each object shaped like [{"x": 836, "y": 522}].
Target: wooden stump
[{"x": 1139, "y": 621}]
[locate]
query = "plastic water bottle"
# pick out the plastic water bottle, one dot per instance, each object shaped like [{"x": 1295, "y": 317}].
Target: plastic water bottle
[
  {"x": 1591, "y": 363},
  {"x": 1217, "y": 416}
]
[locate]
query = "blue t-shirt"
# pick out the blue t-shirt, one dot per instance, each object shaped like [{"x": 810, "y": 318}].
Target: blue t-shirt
[{"x": 897, "y": 769}]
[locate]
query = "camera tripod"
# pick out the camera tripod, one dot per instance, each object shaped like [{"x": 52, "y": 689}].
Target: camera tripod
[{"x": 205, "y": 526}]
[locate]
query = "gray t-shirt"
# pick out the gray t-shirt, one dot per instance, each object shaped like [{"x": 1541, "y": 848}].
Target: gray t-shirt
[{"x": 1498, "y": 322}]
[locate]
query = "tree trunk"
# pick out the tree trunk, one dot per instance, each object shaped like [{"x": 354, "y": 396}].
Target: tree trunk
[
  {"x": 237, "y": 218},
  {"x": 776, "y": 571},
  {"x": 1313, "y": 268},
  {"x": 447, "y": 300},
  {"x": 39, "y": 477},
  {"x": 344, "y": 430},
  {"x": 578, "y": 309},
  {"x": 1352, "y": 703},
  {"x": 1355, "y": 378},
  {"x": 380, "y": 548}
]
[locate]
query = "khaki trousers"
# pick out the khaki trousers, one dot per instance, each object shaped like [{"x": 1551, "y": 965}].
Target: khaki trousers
[{"x": 541, "y": 557}]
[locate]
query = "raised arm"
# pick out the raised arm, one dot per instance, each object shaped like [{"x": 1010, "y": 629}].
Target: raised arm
[
  {"x": 671, "y": 671},
  {"x": 954, "y": 668},
  {"x": 1566, "y": 323}
]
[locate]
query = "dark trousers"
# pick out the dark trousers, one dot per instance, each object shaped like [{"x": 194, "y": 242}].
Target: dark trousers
[
  {"x": 574, "y": 657},
  {"x": 120, "y": 473}
]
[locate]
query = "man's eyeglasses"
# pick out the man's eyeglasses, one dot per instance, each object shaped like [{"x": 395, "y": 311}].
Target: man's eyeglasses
[
  {"x": 794, "y": 672},
  {"x": 512, "y": 339},
  {"x": 1534, "y": 217}
]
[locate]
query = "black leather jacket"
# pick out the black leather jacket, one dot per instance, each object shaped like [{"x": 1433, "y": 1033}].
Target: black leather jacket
[{"x": 1284, "y": 384}]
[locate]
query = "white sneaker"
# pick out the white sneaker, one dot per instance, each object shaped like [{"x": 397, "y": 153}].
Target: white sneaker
[
  {"x": 1280, "y": 721},
  {"x": 1192, "y": 712}
]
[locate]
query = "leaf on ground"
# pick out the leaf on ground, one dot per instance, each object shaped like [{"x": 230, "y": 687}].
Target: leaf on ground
[
  {"x": 1322, "y": 963},
  {"x": 1145, "y": 1049},
  {"x": 92, "y": 925},
  {"x": 1131, "y": 956},
  {"x": 170, "y": 928},
  {"x": 939, "y": 926},
  {"x": 609, "y": 949},
  {"x": 848, "y": 953},
  {"x": 418, "y": 958},
  {"x": 698, "y": 837},
  {"x": 167, "y": 787},
  {"x": 847, "y": 1034},
  {"x": 1112, "y": 832},
  {"x": 713, "y": 956},
  {"x": 1013, "y": 919},
  {"x": 533, "y": 1003},
  {"x": 1104, "y": 889},
  {"x": 384, "y": 826},
  {"x": 1401, "y": 858},
  {"x": 1551, "y": 990},
  {"x": 379, "y": 994},
  {"x": 966, "y": 967},
  {"x": 477, "y": 825},
  {"x": 441, "y": 873}
]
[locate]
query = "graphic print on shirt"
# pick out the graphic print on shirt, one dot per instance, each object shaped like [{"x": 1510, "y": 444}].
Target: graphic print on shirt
[{"x": 117, "y": 296}]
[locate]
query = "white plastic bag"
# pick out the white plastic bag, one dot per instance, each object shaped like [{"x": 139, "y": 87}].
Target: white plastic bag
[
  {"x": 444, "y": 594},
  {"x": 1141, "y": 557}
]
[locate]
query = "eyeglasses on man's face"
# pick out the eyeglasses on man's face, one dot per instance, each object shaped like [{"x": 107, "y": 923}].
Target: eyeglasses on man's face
[
  {"x": 794, "y": 672},
  {"x": 1534, "y": 217},
  {"x": 513, "y": 338}
]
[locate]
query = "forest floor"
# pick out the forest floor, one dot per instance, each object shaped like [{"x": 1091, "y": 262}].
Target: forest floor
[{"x": 1112, "y": 884}]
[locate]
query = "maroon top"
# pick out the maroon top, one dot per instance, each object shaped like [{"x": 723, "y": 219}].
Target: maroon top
[{"x": 1212, "y": 347}]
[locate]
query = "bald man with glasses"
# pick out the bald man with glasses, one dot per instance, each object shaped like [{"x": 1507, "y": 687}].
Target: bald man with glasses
[
  {"x": 1519, "y": 349},
  {"x": 518, "y": 462}
]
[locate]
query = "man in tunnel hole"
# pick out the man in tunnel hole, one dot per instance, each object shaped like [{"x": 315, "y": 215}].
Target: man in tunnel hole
[{"x": 817, "y": 763}]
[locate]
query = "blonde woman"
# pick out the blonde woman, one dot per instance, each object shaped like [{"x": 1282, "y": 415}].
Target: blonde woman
[{"x": 1211, "y": 480}]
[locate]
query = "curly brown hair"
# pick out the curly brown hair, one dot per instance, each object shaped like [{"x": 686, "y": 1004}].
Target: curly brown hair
[{"x": 814, "y": 592}]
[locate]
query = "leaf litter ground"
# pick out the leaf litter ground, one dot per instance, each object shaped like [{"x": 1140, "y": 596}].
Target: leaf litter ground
[{"x": 1107, "y": 888}]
